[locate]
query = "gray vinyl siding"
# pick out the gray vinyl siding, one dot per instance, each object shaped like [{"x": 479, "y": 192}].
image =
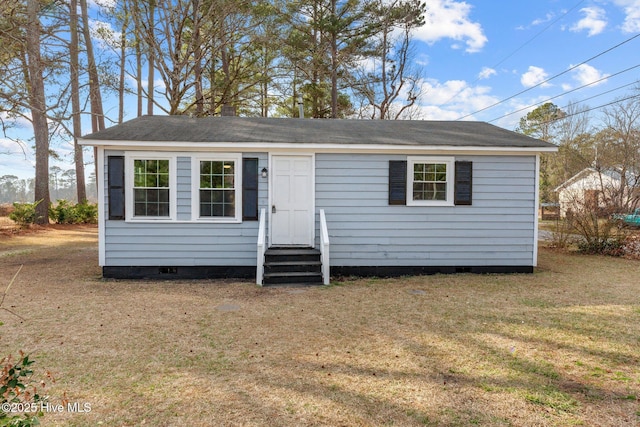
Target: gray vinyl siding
[
  {"x": 184, "y": 189},
  {"x": 497, "y": 230},
  {"x": 183, "y": 243}
]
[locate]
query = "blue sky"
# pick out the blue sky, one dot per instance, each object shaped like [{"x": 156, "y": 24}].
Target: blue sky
[
  {"x": 477, "y": 53},
  {"x": 487, "y": 51}
]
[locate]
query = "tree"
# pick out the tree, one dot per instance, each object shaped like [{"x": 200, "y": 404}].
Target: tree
[
  {"x": 326, "y": 39},
  {"x": 576, "y": 147},
  {"x": 75, "y": 100},
  {"x": 348, "y": 30},
  {"x": 167, "y": 31},
  {"x": 542, "y": 123},
  {"x": 618, "y": 148},
  {"x": 12, "y": 189},
  {"x": 95, "y": 94},
  {"x": 38, "y": 107},
  {"x": 388, "y": 81}
]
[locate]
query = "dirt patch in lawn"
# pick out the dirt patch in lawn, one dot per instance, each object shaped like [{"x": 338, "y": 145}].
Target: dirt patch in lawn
[{"x": 559, "y": 347}]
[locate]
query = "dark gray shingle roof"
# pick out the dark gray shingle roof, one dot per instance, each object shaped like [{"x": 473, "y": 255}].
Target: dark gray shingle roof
[{"x": 305, "y": 131}]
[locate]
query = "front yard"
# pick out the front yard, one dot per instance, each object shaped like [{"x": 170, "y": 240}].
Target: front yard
[{"x": 559, "y": 347}]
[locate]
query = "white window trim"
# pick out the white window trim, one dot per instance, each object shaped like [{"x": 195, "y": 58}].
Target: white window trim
[
  {"x": 130, "y": 157},
  {"x": 450, "y": 162},
  {"x": 195, "y": 186}
]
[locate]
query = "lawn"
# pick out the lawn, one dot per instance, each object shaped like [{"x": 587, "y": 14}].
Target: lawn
[{"x": 560, "y": 347}]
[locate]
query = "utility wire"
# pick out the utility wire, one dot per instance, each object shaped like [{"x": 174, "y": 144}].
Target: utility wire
[
  {"x": 573, "y": 90},
  {"x": 551, "y": 78},
  {"x": 522, "y": 46},
  {"x": 609, "y": 91},
  {"x": 617, "y": 101}
]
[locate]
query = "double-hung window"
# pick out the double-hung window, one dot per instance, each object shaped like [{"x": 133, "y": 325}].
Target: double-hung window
[
  {"x": 217, "y": 188},
  {"x": 151, "y": 184},
  {"x": 430, "y": 181}
]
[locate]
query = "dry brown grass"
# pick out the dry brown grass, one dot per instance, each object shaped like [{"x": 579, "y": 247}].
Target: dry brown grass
[{"x": 559, "y": 347}]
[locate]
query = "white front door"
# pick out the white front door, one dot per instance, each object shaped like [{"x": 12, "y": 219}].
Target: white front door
[{"x": 292, "y": 201}]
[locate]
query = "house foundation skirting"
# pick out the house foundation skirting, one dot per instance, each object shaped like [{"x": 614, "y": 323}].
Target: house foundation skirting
[
  {"x": 395, "y": 271},
  {"x": 249, "y": 272},
  {"x": 180, "y": 272}
]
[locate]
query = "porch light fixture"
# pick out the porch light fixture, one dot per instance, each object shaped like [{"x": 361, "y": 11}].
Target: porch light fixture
[{"x": 264, "y": 172}]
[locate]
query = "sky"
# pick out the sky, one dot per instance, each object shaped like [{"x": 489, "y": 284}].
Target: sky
[{"x": 494, "y": 61}]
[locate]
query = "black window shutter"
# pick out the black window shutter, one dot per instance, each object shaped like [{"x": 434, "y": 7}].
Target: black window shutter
[
  {"x": 115, "y": 183},
  {"x": 464, "y": 183},
  {"x": 250, "y": 189},
  {"x": 397, "y": 182}
]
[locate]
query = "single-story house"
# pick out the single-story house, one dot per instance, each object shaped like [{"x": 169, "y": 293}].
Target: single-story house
[
  {"x": 595, "y": 189},
  {"x": 255, "y": 197}
]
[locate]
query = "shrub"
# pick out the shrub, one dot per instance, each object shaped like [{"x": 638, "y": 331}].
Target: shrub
[
  {"x": 64, "y": 213},
  {"x": 87, "y": 213},
  {"x": 18, "y": 394},
  {"x": 612, "y": 246},
  {"x": 67, "y": 213},
  {"x": 631, "y": 247},
  {"x": 562, "y": 235},
  {"x": 24, "y": 214}
]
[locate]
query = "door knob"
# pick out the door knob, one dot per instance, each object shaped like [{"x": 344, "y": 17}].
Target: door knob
[{"x": 273, "y": 208}]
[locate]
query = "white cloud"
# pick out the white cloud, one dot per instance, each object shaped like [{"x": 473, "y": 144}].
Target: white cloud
[
  {"x": 422, "y": 59},
  {"x": 433, "y": 112},
  {"x": 534, "y": 76},
  {"x": 158, "y": 83},
  {"x": 539, "y": 21},
  {"x": 566, "y": 87},
  {"x": 632, "y": 10},
  {"x": 486, "y": 73},
  {"x": 18, "y": 121},
  {"x": 450, "y": 19},
  {"x": 453, "y": 99},
  {"x": 594, "y": 21},
  {"x": 586, "y": 74},
  {"x": 549, "y": 16},
  {"x": 14, "y": 159},
  {"x": 508, "y": 116},
  {"x": 7, "y": 145}
]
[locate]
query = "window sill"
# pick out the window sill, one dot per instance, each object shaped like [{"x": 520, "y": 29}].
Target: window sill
[
  {"x": 425, "y": 203},
  {"x": 150, "y": 219},
  {"x": 216, "y": 220},
  {"x": 176, "y": 221}
]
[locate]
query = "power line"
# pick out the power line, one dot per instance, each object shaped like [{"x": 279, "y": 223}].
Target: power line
[
  {"x": 522, "y": 46},
  {"x": 608, "y": 91},
  {"x": 574, "y": 90},
  {"x": 551, "y": 78},
  {"x": 617, "y": 101}
]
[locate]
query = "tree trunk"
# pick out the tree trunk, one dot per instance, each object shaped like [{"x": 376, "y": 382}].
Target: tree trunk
[
  {"x": 334, "y": 62},
  {"x": 97, "y": 114},
  {"x": 38, "y": 112},
  {"x": 139, "y": 91},
  {"x": 151, "y": 57},
  {"x": 123, "y": 53},
  {"x": 75, "y": 101},
  {"x": 224, "y": 62},
  {"x": 197, "y": 68}
]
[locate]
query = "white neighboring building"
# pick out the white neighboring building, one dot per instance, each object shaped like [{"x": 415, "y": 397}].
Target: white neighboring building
[{"x": 589, "y": 187}]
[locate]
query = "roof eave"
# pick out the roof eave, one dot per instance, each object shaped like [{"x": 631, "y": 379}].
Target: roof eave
[{"x": 333, "y": 147}]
